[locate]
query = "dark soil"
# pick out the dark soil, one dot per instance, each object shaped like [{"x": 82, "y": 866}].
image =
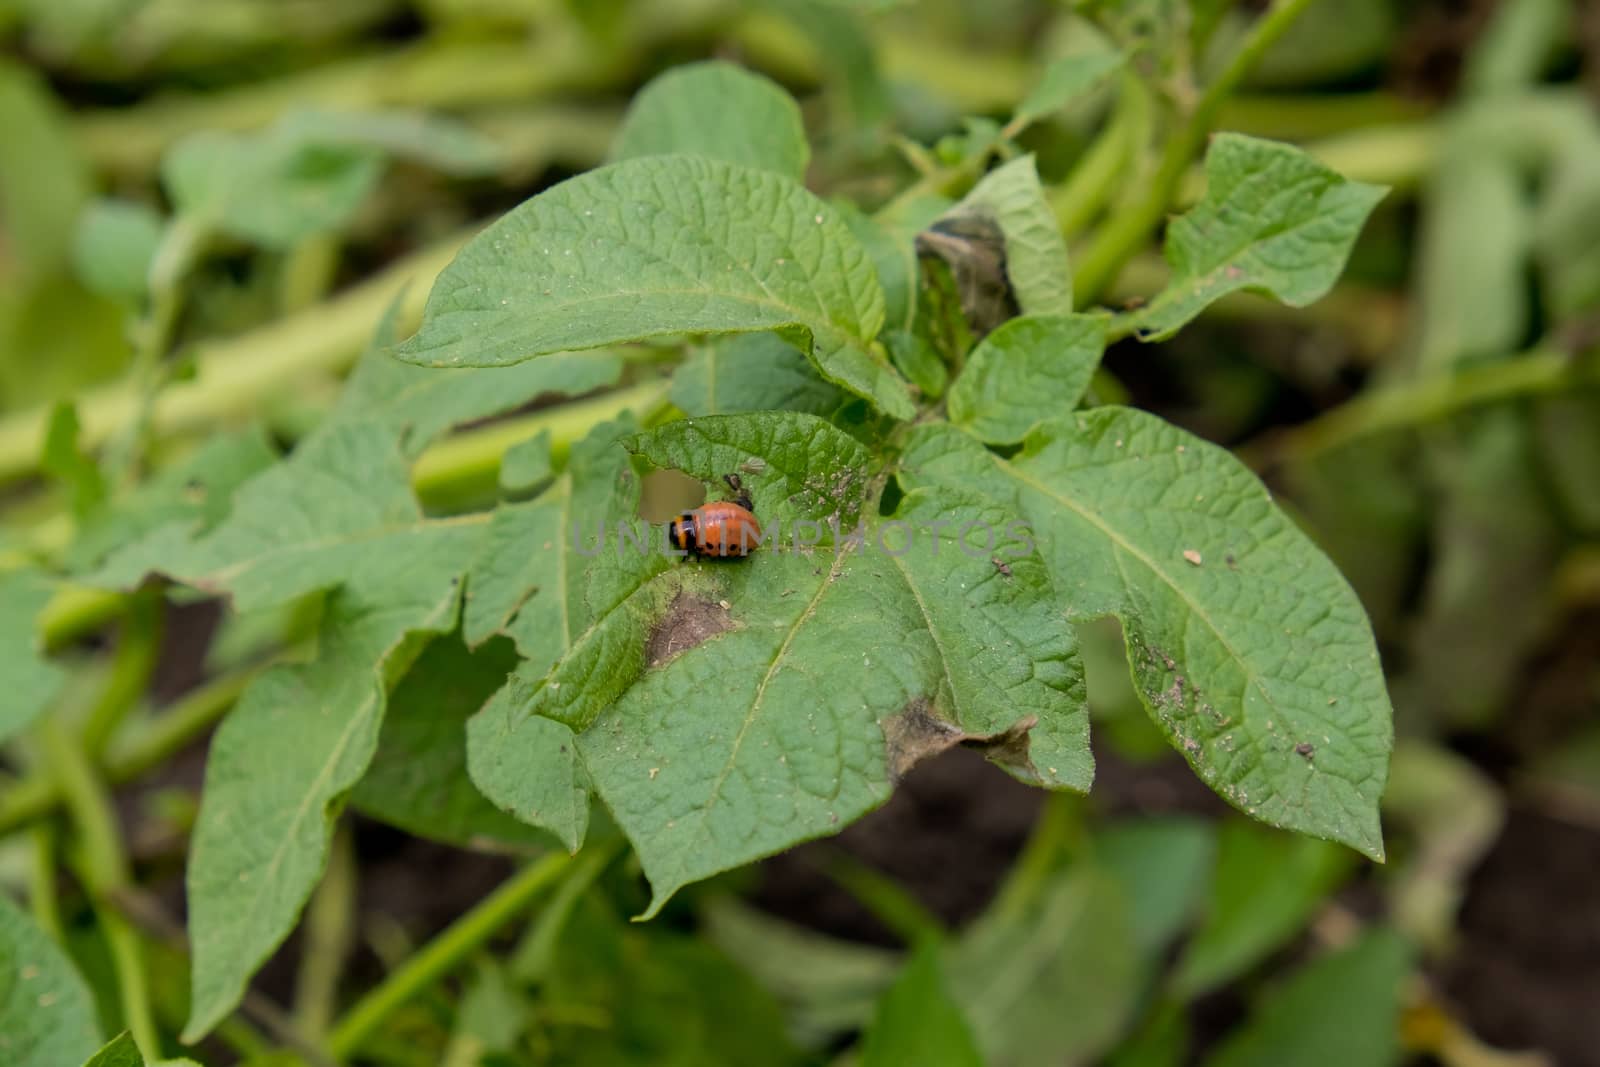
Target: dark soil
[{"x": 1527, "y": 974}]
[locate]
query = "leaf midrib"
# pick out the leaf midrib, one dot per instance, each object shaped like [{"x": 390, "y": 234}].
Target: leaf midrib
[
  {"x": 761, "y": 690},
  {"x": 1251, "y": 674}
]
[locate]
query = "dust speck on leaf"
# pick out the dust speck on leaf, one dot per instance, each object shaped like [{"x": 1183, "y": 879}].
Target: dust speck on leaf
[{"x": 689, "y": 621}]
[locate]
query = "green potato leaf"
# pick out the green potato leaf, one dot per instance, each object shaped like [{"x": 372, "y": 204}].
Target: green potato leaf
[
  {"x": 918, "y": 1021},
  {"x": 47, "y": 1016},
  {"x": 1273, "y": 221},
  {"x": 1027, "y": 371},
  {"x": 1342, "y": 1008},
  {"x": 1247, "y": 646},
  {"x": 752, "y": 372},
  {"x": 30, "y": 680},
  {"x": 419, "y": 404},
  {"x": 418, "y": 778},
  {"x": 113, "y": 247},
  {"x": 309, "y": 172},
  {"x": 120, "y": 1051},
  {"x": 695, "y": 702},
  {"x": 664, "y": 245},
  {"x": 720, "y": 111},
  {"x": 1052, "y": 981},
  {"x": 337, "y": 515},
  {"x": 1064, "y": 81},
  {"x": 1265, "y": 889}
]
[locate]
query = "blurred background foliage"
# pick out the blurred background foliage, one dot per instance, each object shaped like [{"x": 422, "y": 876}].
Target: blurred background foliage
[{"x": 205, "y": 205}]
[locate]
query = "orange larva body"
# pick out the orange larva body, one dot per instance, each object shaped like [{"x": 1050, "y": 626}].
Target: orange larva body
[{"x": 719, "y": 529}]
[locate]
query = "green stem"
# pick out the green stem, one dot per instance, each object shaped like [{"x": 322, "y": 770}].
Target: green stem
[
  {"x": 1096, "y": 176},
  {"x": 1127, "y": 232},
  {"x": 1296, "y": 117},
  {"x": 42, "y": 881},
  {"x": 888, "y": 901},
  {"x": 1053, "y": 833},
  {"x": 445, "y": 952},
  {"x": 37, "y": 796},
  {"x": 463, "y": 469},
  {"x": 434, "y": 74},
  {"x": 535, "y": 954},
  {"x": 329, "y": 927},
  {"x": 104, "y": 868},
  {"x": 138, "y": 645},
  {"x": 181, "y": 247},
  {"x": 1424, "y": 401},
  {"x": 233, "y": 377}
]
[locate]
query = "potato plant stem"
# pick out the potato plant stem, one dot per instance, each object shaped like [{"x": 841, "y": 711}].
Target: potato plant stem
[
  {"x": 329, "y": 926},
  {"x": 38, "y": 795},
  {"x": 233, "y": 375},
  {"x": 132, "y": 664},
  {"x": 1424, "y": 401},
  {"x": 1097, "y": 175},
  {"x": 42, "y": 881},
  {"x": 1125, "y": 233},
  {"x": 445, "y": 952},
  {"x": 104, "y": 868},
  {"x": 464, "y": 466}
]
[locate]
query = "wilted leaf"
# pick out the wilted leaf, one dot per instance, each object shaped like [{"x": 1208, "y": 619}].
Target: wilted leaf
[
  {"x": 1029, "y": 370},
  {"x": 1031, "y": 262},
  {"x": 918, "y": 1021},
  {"x": 1273, "y": 220},
  {"x": 1248, "y": 647},
  {"x": 719, "y": 111},
  {"x": 1454, "y": 813},
  {"x": 47, "y": 1016},
  {"x": 663, "y": 245},
  {"x": 1494, "y": 542}
]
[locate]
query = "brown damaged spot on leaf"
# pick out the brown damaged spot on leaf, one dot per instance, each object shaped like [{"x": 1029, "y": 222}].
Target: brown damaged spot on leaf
[
  {"x": 690, "y": 620},
  {"x": 916, "y": 734}
]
